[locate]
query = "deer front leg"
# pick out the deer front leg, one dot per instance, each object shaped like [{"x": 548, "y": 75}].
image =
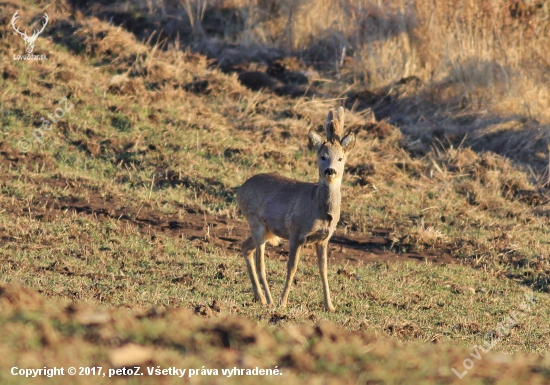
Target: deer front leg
[
  {"x": 321, "y": 249},
  {"x": 260, "y": 265},
  {"x": 248, "y": 247},
  {"x": 292, "y": 266}
]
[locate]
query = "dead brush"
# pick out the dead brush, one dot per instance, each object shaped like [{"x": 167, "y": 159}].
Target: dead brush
[
  {"x": 113, "y": 42},
  {"x": 467, "y": 80},
  {"x": 154, "y": 68},
  {"x": 426, "y": 236},
  {"x": 124, "y": 85},
  {"x": 487, "y": 180}
]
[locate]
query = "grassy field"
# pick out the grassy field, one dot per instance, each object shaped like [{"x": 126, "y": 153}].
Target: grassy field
[{"x": 120, "y": 234}]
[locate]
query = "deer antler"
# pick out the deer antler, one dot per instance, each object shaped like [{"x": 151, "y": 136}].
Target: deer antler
[
  {"x": 45, "y": 23},
  {"x": 334, "y": 125},
  {"x": 13, "y": 20}
]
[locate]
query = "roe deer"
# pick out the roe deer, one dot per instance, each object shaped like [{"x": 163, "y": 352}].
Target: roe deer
[{"x": 301, "y": 212}]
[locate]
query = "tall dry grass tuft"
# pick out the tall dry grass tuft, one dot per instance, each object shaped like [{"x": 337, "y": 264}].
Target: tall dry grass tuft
[
  {"x": 479, "y": 43},
  {"x": 482, "y": 66}
]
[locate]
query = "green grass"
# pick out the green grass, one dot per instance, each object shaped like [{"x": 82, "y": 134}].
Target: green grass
[{"x": 111, "y": 263}]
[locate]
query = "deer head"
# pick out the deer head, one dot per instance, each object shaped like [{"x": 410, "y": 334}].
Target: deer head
[
  {"x": 332, "y": 153},
  {"x": 29, "y": 40}
]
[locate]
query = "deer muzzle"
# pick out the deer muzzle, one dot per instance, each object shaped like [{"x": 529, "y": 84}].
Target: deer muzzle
[{"x": 329, "y": 172}]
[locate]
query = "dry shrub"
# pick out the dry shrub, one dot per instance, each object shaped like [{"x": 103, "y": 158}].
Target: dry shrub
[
  {"x": 123, "y": 85},
  {"x": 459, "y": 160},
  {"x": 155, "y": 66},
  {"x": 159, "y": 71},
  {"x": 499, "y": 177},
  {"x": 408, "y": 36},
  {"x": 105, "y": 41},
  {"x": 479, "y": 65},
  {"x": 425, "y": 235},
  {"x": 491, "y": 179}
]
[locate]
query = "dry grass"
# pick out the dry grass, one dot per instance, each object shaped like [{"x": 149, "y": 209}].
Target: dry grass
[
  {"x": 481, "y": 65},
  {"x": 87, "y": 336}
]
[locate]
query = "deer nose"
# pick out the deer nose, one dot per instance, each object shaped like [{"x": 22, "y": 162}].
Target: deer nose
[{"x": 330, "y": 172}]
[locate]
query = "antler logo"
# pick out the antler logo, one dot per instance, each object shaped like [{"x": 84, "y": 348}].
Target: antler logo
[{"x": 29, "y": 40}]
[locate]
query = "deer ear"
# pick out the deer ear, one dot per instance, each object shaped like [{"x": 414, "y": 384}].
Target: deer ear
[
  {"x": 315, "y": 140},
  {"x": 348, "y": 142}
]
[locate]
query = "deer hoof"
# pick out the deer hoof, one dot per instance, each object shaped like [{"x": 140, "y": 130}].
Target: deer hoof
[{"x": 260, "y": 299}]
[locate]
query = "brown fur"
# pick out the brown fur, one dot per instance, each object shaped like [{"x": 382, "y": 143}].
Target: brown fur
[{"x": 303, "y": 213}]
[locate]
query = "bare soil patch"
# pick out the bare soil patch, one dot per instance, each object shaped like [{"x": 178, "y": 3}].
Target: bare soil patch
[{"x": 219, "y": 230}]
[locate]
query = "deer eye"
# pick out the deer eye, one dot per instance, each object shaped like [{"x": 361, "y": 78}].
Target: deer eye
[
  {"x": 340, "y": 159},
  {"x": 323, "y": 157}
]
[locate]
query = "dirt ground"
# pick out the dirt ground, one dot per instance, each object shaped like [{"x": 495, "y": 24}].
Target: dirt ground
[{"x": 202, "y": 228}]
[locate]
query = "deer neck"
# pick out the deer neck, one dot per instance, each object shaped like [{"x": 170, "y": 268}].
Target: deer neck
[{"x": 328, "y": 199}]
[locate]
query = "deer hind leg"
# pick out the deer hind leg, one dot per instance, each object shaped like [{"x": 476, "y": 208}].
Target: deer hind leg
[
  {"x": 260, "y": 236},
  {"x": 292, "y": 266},
  {"x": 248, "y": 248},
  {"x": 321, "y": 249}
]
